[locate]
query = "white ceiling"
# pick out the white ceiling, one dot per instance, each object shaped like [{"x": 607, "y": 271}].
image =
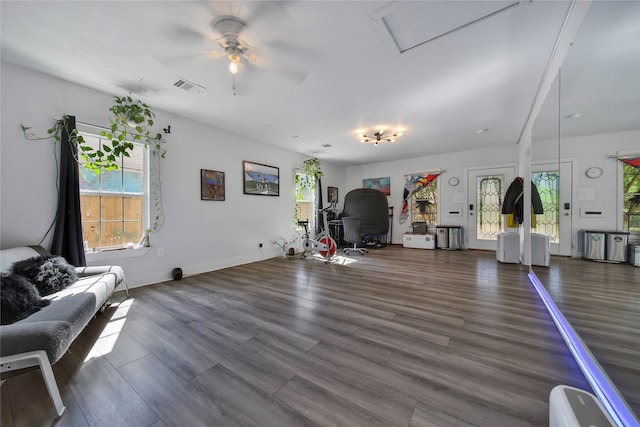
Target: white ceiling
[{"x": 323, "y": 69}]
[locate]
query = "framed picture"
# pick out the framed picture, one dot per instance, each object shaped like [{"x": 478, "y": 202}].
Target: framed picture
[
  {"x": 261, "y": 180},
  {"x": 211, "y": 185},
  {"x": 332, "y": 194},
  {"x": 382, "y": 184}
]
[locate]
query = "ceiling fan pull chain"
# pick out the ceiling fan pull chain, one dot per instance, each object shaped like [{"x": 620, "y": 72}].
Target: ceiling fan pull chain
[{"x": 234, "y": 84}]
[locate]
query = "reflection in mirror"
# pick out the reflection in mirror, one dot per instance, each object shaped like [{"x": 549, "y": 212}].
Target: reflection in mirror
[
  {"x": 545, "y": 173},
  {"x": 590, "y": 119}
]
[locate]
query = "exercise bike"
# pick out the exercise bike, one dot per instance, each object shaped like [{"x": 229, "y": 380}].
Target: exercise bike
[{"x": 322, "y": 243}]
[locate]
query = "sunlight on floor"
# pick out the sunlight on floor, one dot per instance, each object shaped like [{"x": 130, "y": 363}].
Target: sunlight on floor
[
  {"x": 337, "y": 259},
  {"x": 107, "y": 340}
]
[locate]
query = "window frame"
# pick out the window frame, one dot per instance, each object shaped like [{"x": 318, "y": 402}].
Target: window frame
[
  {"x": 621, "y": 192},
  {"x": 311, "y": 193},
  {"x": 99, "y": 252}
]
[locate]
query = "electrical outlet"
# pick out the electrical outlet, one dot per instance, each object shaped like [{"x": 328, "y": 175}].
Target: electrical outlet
[
  {"x": 259, "y": 245},
  {"x": 160, "y": 251}
]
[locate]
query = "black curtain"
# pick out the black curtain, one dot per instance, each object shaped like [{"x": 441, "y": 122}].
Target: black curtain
[
  {"x": 67, "y": 235},
  {"x": 319, "y": 223}
]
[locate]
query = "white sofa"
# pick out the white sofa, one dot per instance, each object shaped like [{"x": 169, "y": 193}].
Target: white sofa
[{"x": 42, "y": 338}]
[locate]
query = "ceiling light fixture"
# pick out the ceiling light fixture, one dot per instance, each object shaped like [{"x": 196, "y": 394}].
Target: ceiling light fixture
[
  {"x": 234, "y": 60},
  {"x": 378, "y": 137}
]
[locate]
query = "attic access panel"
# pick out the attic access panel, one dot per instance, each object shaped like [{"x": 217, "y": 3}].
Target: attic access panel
[{"x": 406, "y": 25}]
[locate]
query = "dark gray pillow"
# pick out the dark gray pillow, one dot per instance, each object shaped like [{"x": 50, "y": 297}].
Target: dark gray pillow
[
  {"x": 19, "y": 298},
  {"x": 49, "y": 273}
]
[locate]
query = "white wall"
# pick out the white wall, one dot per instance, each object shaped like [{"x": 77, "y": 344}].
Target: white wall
[
  {"x": 197, "y": 235},
  {"x": 453, "y": 164},
  {"x": 587, "y": 151}
]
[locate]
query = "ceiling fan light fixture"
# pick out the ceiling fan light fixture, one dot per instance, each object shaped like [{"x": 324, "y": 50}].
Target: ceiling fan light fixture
[
  {"x": 234, "y": 59},
  {"x": 233, "y": 67}
]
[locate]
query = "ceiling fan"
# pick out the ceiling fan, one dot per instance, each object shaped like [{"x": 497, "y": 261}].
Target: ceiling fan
[
  {"x": 273, "y": 53},
  {"x": 234, "y": 47}
]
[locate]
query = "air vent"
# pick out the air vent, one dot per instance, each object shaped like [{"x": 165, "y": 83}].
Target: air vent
[{"x": 189, "y": 86}]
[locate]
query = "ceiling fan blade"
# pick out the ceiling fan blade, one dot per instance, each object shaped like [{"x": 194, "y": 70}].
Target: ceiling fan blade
[
  {"x": 294, "y": 72},
  {"x": 273, "y": 12},
  {"x": 187, "y": 35},
  {"x": 203, "y": 55},
  {"x": 287, "y": 52}
]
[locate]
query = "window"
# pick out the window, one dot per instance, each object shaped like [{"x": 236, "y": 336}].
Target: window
[
  {"x": 489, "y": 190},
  {"x": 112, "y": 202},
  {"x": 631, "y": 191},
  {"x": 548, "y": 184},
  {"x": 305, "y": 199},
  {"x": 424, "y": 204}
]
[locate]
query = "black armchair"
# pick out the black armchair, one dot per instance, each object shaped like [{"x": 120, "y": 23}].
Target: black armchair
[
  {"x": 353, "y": 234},
  {"x": 371, "y": 207}
]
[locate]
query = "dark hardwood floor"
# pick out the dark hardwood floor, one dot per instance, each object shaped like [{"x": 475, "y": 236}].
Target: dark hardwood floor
[
  {"x": 397, "y": 337},
  {"x": 602, "y": 302}
]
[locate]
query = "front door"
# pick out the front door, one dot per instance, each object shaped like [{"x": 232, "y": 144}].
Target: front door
[{"x": 486, "y": 189}]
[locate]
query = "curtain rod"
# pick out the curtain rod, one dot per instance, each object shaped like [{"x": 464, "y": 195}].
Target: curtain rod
[
  {"x": 628, "y": 156},
  {"x": 427, "y": 171},
  {"x": 84, "y": 124}
]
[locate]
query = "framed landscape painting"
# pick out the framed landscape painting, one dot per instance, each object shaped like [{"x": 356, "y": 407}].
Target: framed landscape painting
[
  {"x": 260, "y": 180},
  {"x": 382, "y": 184},
  {"x": 211, "y": 185}
]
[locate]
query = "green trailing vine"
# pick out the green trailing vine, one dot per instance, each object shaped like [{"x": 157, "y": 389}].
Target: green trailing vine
[
  {"x": 311, "y": 172},
  {"x": 312, "y": 167},
  {"x": 129, "y": 122},
  {"x": 55, "y": 133}
]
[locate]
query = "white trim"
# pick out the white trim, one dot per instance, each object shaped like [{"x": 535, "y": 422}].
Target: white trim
[{"x": 116, "y": 254}]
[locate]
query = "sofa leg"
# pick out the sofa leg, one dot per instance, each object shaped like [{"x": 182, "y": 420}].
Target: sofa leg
[
  {"x": 39, "y": 358},
  {"x": 50, "y": 381}
]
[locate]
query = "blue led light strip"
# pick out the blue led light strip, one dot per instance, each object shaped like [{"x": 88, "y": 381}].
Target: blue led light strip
[{"x": 599, "y": 381}]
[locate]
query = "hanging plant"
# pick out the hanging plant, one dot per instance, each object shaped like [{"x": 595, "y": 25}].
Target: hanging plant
[
  {"x": 130, "y": 122},
  {"x": 312, "y": 167},
  {"x": 311, "y": 172}
]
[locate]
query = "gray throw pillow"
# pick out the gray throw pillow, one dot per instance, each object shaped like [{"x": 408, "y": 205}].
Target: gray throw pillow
[
  {"x": 49, "y": 274},
  {"x": 19, "y": 298}
]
